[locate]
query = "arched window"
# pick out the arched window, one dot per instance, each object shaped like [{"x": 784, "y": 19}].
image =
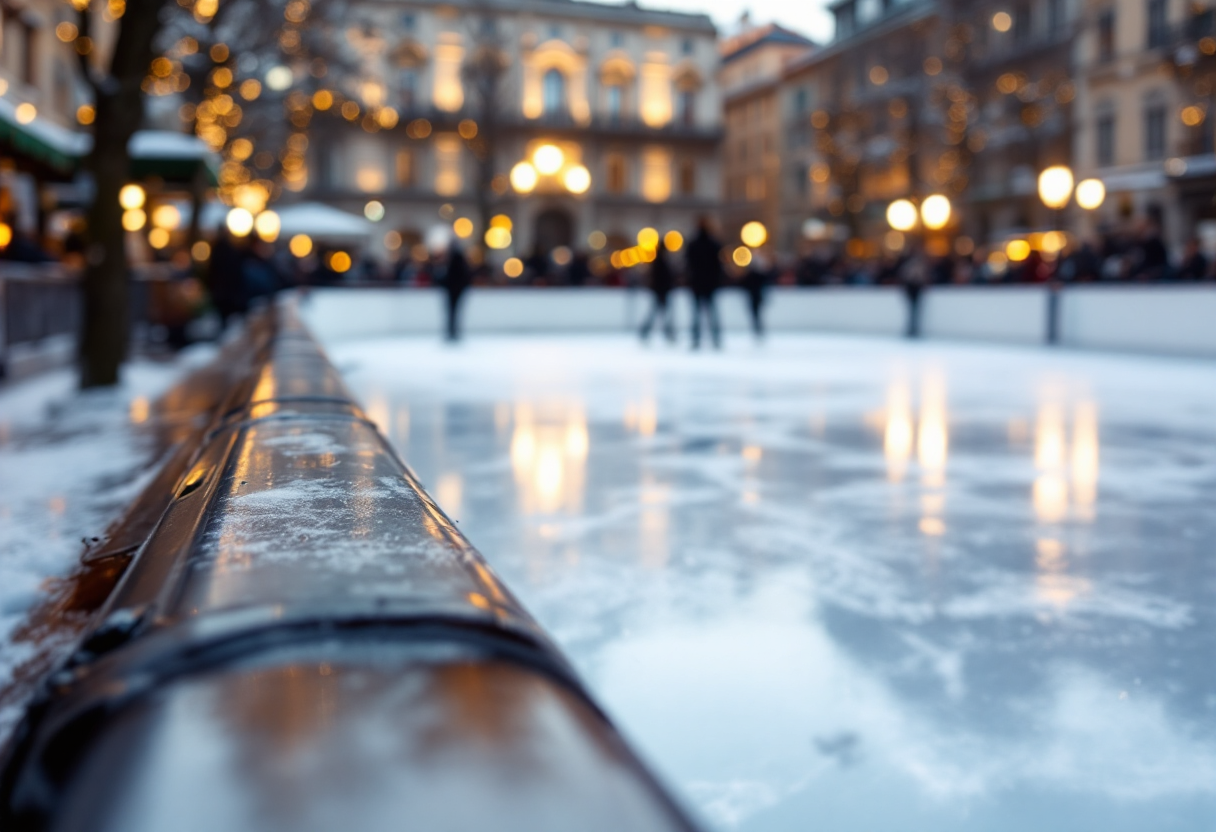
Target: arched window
[
  {"x": 616, "y": 174},
  {"x": 686, "y": 107},
  {"x": 615, "y": 102},
  {"x": 554, "y": 92}
]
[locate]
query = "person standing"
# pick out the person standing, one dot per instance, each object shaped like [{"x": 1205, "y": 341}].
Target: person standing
[
  {"x": 704, "y": 262},
  {"x": 456, "y": 279},
  {"x": 662, "y": 279},
  {"x": 755, "y": 281}
]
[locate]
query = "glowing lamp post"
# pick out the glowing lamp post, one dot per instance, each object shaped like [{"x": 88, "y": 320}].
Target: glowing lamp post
[
  {"x": 935, "y": 212},
  {"x": 901, "y": 215},
  {"x": 1091, "y": 193},
  {"x": 1055, "y": 187}
]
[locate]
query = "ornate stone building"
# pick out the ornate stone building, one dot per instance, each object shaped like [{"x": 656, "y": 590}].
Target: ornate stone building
[{"x": 465, "y": 93}]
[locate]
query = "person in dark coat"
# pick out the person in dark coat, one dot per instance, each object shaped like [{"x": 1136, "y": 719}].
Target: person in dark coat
[
  {"x": 456, "y": 279},
  {"x": 704, "y": 265},
  {"x": 226, "y": 278},
  {"x": 662, "y": 279},
  {"x": 755, "y": 280},
  {"x": 1194, "y": 263}
]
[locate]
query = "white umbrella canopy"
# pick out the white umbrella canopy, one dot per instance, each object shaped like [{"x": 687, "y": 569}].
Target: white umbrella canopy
[{"x": 322, "y": 222}]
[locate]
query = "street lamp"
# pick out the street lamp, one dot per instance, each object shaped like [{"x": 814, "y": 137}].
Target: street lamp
[
  {"x": 1055, "y": 187},
  {"x": 1091, "y": 193},
  {"x": 935, "y": 212},
  {"x": 524, "y": 177},
  {"x": 901, "y": 215}
]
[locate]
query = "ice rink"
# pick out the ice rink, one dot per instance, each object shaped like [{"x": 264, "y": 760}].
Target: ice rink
[{"x": 850, "y": 584}]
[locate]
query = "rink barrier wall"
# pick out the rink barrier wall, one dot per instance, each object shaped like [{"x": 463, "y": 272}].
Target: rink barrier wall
[
  {"x": 304, "y": 641},
  {"x": 1163, "y": 319}
]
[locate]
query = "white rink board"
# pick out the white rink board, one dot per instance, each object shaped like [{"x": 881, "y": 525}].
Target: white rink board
[
  {"x": 1171, "y": 320},
  {"x": 1004, "y": 314},
  {"x": 337, "y": 314}
]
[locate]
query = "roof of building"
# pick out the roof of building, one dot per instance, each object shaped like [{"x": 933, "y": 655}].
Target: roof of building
[
  {"x": 753, "y": 38},
  {"x": 622, "y": 13}
]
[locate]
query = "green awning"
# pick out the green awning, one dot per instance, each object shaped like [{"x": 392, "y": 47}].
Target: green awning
[{"x": 57, "y": 147}]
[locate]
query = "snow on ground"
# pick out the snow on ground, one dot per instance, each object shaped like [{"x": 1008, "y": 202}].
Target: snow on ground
[
  {"x": 70, "y": 461},
  {"x": 851, "y": 584}
]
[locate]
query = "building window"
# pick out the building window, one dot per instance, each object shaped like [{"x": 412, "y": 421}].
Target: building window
[
  {"x": 686, "y": 46},
  {"x": 407, "y": 22},
  {"x": 800, "y": 101},
  {"x": 686, "y": 107},
  {"x": 409, "y": 89},
  {"x": 405, "y": 168},
  {"x": 802, "y": 177},
  {"x": 1055, "y": 19},
  {"x": 448, "y": 178},
  {"x": 553, "y": 92},
  {"x": 1154, "y": 132},
  {"x": 448, "y": 93},
  {"x": 615, "y": 101},
  {"x": 1158, "y": 25},
  {"x": 616, "y": 39},
  {"x": 1021, "y": 24},
  {"x": 656, "y": 174},
  {"x": 614, "y": 179},
  {"x": 688, "y": 177},
  {"x": 555, "y": 31},
  {"x": 1106, "y": 36},
  {"x": 1106, "y": 140}
]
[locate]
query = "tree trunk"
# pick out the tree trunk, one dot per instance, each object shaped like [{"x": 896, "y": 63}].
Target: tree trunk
[{"x": 119, "y": 103}]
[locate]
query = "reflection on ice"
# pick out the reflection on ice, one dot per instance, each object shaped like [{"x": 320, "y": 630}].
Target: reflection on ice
[{"x": 800, "y": 581}]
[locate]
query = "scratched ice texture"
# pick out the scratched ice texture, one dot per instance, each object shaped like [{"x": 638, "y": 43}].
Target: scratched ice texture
[{"x": 851, "y": 584}]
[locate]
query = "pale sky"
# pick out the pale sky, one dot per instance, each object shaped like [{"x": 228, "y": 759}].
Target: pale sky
[{"x": 807, "y": 17}]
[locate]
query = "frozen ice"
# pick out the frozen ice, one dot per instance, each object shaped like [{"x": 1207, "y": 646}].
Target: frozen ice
[{"x": 847, "y": 583}]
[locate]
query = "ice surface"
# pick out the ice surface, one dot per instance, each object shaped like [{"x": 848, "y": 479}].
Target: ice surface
[{"x": 851, "y": 584}]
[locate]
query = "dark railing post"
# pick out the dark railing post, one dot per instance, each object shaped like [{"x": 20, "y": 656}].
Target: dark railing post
[{"x": 1053, "y": 312}]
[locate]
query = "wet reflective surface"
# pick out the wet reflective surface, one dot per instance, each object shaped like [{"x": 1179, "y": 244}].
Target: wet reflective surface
[{"x": 851, "y": 584}]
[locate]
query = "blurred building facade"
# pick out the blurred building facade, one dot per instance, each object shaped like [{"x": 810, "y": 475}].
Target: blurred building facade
[
  {"x": 628, "y": 96},
  {"x": 973, "y": 100},
  {"x": 754, "y": 61}
]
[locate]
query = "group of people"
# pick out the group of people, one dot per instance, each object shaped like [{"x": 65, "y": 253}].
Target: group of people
[{"x": 705, "y": 273}]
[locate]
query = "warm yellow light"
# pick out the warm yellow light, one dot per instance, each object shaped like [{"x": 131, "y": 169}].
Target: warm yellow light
[
  {"x": 463, "y": 227},
  {"x": 935, "y": 212},
  {"x": 1017, "y": 250},
  {"x": 85, "y": 114},
  {"x": 523, "y": 177},
  {"x": 467, "y": 129},
  {"x": 497, "y": 237},
  {"x": 241, "y": 149},
  {"x": 339, "y": 262},
  {"x": 742, "y": 257},
  {"x": 201, "y": 251},
  {"x": 1053, "y": 242},
  {"x": 577, "y": 179},
  {"x": 300, "y": 245},
  {"x": 158, "y": 237},
  {"x": 648, "y": 238},
  {"x": 267, "y": 226},
  {"x": 26, "y": 113},
  {"x": 673, "y": 241},
  {"x": 1091, "y": 193},
  {"x": 597, "y": 240},
  {"x": 322, "y": 99},
  {"x": 548, "y": 159},
  {"x": 374, "y": 210},
  {"x": 134, "y": 219},
  {"x": 901, "y": 215},
  {"x": 6, "y": 234},
  {"x": 166, "y": 216},
  {"x": 754, "y": 234},
  {"x": 501, "y": 221},
  {"x": 514, "y": 267},
  {"x": 250, "y": 89},
  {"x": 66, "y": 32},
  {"x": 240, "y": 221},
  {"x": 131, "y": 196},
  {"x": 1055, "y": 186},
  {"x": 1002, "y": 21}
]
